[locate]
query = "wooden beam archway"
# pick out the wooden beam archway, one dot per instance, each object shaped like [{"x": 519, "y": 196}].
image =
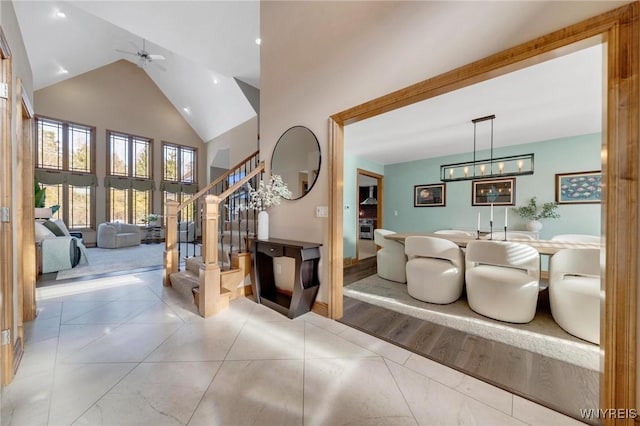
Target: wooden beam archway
[{"x": 620, "y": 30}]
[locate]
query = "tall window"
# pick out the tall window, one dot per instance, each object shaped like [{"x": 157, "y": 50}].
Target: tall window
[
  {"x": 65, "y": 167},
  {"x": 179, "y": 173},
  {"x": 179, "y": 163},
  {"x": 130, "y": 178}
]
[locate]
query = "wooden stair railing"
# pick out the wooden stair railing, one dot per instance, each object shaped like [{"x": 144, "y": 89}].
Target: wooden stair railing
[{"x": 212, "y": 296}]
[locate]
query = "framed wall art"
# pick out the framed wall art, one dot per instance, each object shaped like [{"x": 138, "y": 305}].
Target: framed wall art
[
  {"x": 433, "y": 195},
  {"x": 499, "y": 192},
  {"x": 579, "y": 187}
]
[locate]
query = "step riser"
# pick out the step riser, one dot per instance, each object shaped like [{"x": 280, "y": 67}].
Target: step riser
[{"x": 184, "y": 282}]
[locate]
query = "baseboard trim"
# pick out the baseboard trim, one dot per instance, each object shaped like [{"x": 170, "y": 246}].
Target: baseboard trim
[{"x": 321, "y": 308}]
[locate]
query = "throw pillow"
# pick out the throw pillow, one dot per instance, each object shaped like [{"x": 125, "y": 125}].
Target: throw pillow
[
  {"x": 42, "y": 232},
  {"x": 53, "y": 228},
  {"x": 62, "y": 227}
]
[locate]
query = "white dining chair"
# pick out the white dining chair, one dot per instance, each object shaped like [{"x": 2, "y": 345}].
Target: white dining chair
[
  {"x": 502, "y": 280},
  {"x": 391, "y": 260},
  {"x": 574, "y": 292},
  {"x": 577, "y": 238},
  {"x": 435, "y": 269}
]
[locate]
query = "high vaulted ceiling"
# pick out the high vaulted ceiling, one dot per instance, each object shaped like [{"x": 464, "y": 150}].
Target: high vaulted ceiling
[{"x": 206, "y": 45}]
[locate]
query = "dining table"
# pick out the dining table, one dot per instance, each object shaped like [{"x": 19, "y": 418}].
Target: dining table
[{"x": 544, "y": 247}]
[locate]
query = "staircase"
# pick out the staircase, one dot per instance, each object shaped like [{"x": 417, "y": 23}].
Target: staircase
[{"x": 221, "y": 271}]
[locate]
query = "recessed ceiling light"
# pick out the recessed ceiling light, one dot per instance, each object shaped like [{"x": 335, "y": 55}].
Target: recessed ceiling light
[
  {"x": 61, "y": 14},
  {"x": 216, "y": 81},
  {"x": 63, "y": 70},
  {"x": 187, "y": 110},
  {"x": 258, "y": 41}
]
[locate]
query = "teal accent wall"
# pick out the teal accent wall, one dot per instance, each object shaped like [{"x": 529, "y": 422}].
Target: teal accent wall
[
  {"x": 350, "y": 213},
  {"x": 566, "y": 155}
]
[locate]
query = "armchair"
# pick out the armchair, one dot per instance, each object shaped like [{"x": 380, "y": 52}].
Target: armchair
[
  {"x": 391, "y": 260},
  {"x": 503, "y": 280},
  {"x": 57, "y": 252},
  {"x": 574, "y": 292}
]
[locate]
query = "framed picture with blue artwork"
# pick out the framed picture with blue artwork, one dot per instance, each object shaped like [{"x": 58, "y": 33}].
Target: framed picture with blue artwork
[
  {"x": 499, "y": 192},
  {"x": 579, "y": 188}
]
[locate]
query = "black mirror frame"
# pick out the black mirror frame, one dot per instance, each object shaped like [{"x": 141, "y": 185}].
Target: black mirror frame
[{"x": 315, "y": 138}]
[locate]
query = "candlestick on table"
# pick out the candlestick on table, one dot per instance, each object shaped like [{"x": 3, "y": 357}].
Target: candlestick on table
[
  {"x": 505, "y": 233},
  {"x": 491, "y": 217},
  {"x": 491, "y": 229},
  {"x": 478, "y": 228},
  {"x": 506, "y": 216}
]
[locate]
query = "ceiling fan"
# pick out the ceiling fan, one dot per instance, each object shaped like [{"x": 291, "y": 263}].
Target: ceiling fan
[{"x": 145, "y": 58}]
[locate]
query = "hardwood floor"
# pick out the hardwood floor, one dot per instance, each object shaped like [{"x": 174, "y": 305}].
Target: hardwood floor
[
  {"x": 360, "y": 270},
  {"x": 555, "y": 384}
]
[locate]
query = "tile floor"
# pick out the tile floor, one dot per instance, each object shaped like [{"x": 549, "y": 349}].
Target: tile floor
[{"x": 125, "y": 350}]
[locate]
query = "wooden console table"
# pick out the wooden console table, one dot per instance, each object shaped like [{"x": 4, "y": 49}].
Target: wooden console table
[{"x": 306, "y": 282}]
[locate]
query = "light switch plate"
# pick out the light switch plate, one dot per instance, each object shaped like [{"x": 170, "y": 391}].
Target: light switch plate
[{"x": 322, "y": 211}]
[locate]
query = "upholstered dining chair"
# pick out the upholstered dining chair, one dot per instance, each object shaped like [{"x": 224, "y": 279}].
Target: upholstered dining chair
[
  {"x": 574, "y": 292},
  {"x": 502, "y": 280},
  {"x": 577, "y": 238},
  {"x": 390, "y": 259},
  {"x": 435, "y": 269}
]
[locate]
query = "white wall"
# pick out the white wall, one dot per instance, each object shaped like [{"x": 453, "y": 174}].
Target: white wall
[
  {"x": 319, "y": 58},
  {"x": 241, "y": 141}
]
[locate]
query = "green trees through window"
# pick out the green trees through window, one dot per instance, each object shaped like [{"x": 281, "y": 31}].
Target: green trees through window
[
  {"x": 62, "y": 148},
  {"x": 130, "y": 158}
]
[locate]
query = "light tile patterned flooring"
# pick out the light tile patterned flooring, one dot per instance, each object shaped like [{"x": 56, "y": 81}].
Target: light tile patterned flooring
[{"x": 126, "y": 350}]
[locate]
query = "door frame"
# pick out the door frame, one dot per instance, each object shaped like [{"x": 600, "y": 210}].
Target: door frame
[
  {"x": 25, "y": 237},
  {"x": 379, "y": 208},
  {"x": 6, "y": 227},
  {"x": 620, "y": 30}
]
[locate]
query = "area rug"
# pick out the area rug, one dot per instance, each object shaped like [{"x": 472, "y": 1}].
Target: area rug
[
  {"x": 542, "y": 335},
  {"x": 102, "y": 260}
]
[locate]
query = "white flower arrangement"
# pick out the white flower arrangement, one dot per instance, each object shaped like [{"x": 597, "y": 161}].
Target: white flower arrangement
[{"x": 267, "y": 195}]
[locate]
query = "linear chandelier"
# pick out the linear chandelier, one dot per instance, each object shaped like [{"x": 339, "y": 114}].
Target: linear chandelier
[{"x": 514, "y": 165}]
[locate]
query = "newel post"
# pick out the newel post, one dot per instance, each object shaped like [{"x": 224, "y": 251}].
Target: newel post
[
  {"x": 210, "y": 301},
  {"x": 171, "y": 241}
]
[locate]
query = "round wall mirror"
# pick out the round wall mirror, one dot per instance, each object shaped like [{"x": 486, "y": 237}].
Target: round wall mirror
[{"x": 296, "y": 158}]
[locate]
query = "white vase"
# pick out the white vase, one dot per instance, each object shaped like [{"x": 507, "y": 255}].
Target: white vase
[
  {"x": 263, "y": 225},
  {"x": 534, "y": 225}
]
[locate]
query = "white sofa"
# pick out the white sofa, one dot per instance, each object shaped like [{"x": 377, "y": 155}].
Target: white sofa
[
  {"x": 117, "y": 235},
  {"x": 186, "y": 232}
]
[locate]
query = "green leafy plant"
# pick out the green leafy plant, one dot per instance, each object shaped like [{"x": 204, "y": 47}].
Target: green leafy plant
[
  {"x": 531, "y": 211},
  {"x": 152, "y": 217},
  {"x": 40, "y": 197},
  {"x": 40, "y": 194}
]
